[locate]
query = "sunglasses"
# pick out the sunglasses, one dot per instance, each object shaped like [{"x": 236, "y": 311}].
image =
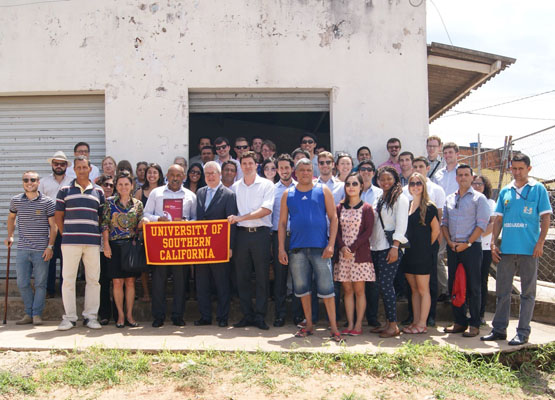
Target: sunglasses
[
  {"x": 59, "y": 164},
  {"x": 26, "y": 180},
  {"x": 108, "y": 185},
  {"x": 393, "y": 147},
  {"x": 353, "y": 184},
  {"x": 327, "y": 162},
  {"x": 415, "y": 183},
  {"x": 365, "y": 169},
  {"x": 240, "y": 147},
  {"x": 223, "y": 146},
  {"x": 194, "y": 172},
  {"x": 307, "y": 141}
]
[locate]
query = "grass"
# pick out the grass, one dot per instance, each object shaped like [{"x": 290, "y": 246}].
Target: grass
[{"x": 441, "y": 370}]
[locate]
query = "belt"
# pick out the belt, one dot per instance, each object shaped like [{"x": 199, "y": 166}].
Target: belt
[{"x": 255, "y": 229}]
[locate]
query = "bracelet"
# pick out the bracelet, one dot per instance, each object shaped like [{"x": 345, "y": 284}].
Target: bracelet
[{"x": 394, "y": 247}]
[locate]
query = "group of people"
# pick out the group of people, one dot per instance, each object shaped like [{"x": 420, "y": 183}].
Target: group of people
[{"x": 325, "y": 224}]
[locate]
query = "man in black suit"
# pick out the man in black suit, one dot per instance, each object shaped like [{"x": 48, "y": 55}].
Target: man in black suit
[{"x": 214, "y": 201}]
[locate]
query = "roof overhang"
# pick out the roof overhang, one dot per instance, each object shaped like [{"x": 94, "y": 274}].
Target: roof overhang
[{"x": 454, "y": 71}]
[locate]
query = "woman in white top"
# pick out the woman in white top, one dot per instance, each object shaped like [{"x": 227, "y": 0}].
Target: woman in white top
[
  {"x": 483, "y": 185},
  {"x": 388, "y": 234}
]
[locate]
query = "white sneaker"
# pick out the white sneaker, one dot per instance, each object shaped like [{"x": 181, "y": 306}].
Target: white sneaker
[
  {"x": 66, "y": 325},
  {"x": 92, "y": 323}
]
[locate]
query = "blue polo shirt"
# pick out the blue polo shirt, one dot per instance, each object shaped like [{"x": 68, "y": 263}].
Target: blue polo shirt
[{"x": 521, "y": 210}]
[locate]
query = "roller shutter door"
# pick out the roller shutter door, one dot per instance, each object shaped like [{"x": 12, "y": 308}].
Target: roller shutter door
[{"x": 32, "y": 128}]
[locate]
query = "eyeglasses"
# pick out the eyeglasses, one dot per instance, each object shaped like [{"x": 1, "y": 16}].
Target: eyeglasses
[
  {"x": 477, "y": 184},
  {"x": 108, "y": 185},
  {"x": 223, "y": 146},
  {"x": 415, "y": 183},
  {"x": 26, "y": 180},
  {"x": 194, "y": 172},
  {"x": 366, "y": 169},
  {"x": 59, "y": 164},
  {"x": 240, "y": 147},
  {"x": 353, "y": 184},
  {"x": 393, "y": 147},
  {"x": 307, "y": 141},
  {"x": 325, "y": 162}
]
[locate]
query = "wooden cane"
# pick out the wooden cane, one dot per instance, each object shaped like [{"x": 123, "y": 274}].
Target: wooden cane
[{"x": 7, "y": 281}]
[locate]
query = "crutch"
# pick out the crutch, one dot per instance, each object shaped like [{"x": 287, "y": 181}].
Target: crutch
[{"x": 7, "y": 281}]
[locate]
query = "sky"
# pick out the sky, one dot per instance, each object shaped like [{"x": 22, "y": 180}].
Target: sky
[{"x": 517, "y": 29}]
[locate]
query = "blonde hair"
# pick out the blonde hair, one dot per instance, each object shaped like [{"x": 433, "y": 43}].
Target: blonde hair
[{"x": 425, "y": 199}]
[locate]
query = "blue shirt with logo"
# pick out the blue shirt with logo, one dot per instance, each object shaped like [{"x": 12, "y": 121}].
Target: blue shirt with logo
[{"x": 521, "y": 210}]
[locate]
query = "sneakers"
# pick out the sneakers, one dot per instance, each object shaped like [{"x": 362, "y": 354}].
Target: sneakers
[
  {"x": 66, "y": 325},
  {"x": 37, "y": 320},
  {"x": 25, "y": 320},
  {"x": 91, "y": 323}
]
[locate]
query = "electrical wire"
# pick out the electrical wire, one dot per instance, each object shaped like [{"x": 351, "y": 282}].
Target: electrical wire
[
  {"x": 444, "y": 26},
  {"x": 32, "y": 2},
  {"x": 498, "y": 116}
]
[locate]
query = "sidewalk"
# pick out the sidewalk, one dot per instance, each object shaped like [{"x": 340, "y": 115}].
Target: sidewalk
[{"x": 148, "y": 339}]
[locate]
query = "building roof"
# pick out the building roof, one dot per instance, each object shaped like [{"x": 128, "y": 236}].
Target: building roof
[{"x": 454, "y": 71}]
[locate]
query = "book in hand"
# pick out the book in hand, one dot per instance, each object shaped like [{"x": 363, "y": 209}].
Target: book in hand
[{"x": 173, "y": 209}]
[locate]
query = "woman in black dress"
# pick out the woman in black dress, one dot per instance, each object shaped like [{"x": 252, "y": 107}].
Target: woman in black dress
[{"x": 422, "y": 232}]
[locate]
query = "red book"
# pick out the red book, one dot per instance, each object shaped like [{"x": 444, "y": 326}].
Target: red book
[{"x": 173, "y": 209}]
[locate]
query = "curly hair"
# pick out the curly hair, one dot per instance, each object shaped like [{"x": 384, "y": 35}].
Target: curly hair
[{"x": 388, "y": 198}]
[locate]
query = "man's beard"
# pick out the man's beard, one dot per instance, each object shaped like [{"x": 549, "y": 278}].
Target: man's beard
[{"x": 59, "y": 173}]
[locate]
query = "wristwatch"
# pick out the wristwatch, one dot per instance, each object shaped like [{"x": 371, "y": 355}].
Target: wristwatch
[
  {"x": 50, "y": 246},
  {"x": 469, "y": 244}
]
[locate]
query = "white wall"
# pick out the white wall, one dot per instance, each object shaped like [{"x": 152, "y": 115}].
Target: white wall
[{"x": 145, "y": 57}]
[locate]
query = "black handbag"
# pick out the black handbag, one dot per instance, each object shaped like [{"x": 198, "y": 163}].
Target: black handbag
[
  {"x": 133, "y": 257},
  {"x": 389, "y": 234}
]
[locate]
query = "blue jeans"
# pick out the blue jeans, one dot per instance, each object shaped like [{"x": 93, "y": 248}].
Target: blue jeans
[
  {"x": 30, "y": 262},
  {"x": 304, "y": 263}
]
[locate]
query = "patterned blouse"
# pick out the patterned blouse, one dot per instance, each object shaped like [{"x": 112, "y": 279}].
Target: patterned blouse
[{"x": 121, "y": 221}]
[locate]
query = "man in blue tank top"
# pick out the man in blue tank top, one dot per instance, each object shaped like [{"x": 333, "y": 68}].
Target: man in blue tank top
[{"x": 310, "y": 249}]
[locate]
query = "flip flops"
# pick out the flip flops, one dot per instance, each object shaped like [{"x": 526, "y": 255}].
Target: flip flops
[
  {"x": 415, "y": 330},
  {"x": 303, "y": 333}
]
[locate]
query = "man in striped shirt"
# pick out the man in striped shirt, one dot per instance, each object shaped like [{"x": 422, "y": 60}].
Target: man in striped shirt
[
  {"x": 37, "y": 232},
  {"x": 78, "y": 209}
]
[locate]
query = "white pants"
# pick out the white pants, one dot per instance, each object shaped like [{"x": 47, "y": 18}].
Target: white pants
[{"x": 72, "y": 254}]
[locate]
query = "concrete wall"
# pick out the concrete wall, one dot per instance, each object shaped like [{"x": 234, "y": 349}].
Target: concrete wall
[{"x": 146, "y": 56}]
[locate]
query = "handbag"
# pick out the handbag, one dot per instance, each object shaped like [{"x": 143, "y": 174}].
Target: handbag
[
  {"x": 133, "y": 257},
  {"x": 389, "y": 234}
]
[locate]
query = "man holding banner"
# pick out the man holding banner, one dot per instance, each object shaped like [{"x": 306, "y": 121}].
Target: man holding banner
[
  {"x": 171, "y": 202},
  {"x": 214, "y": 202},
  {"x": 255, "y": 201}
]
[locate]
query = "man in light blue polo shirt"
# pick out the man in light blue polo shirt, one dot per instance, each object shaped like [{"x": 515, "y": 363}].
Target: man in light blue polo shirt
[{"x": 523, "y": 212}]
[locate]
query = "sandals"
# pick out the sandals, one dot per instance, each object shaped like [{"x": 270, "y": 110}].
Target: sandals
[
  {"x": 415, "y": 330},
  {"x": 131, "y": 324},
  {"x": 378, "y": 329},
  {"x": 303, "y": 333},
  {"x": 388, "y": 334},
  {"x": 336, "y": 337}
]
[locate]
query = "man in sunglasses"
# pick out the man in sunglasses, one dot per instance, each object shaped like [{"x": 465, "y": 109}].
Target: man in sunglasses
[
  {"x": 37, "y": 231},
  {"x": 221, "y": 144},
  {"x": 393, "y": 148},
  {"x": 308, "y": 143},
  {"x": 326, "y": 165},
  {"x": 50, "y": 186},
  {"x": 241, "y": 146}
]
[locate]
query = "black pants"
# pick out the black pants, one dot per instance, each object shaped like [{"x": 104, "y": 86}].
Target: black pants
[
  {"x": 51, "y": 280},
  {"x": 433, "y": 286},
  {"x": 281, "y": 273},
  {"x": 159, "y": 280},
  {"x": 218, "y": 275},
  {"x": 471, "y": 259},
  {"x": 105, "y": 307},
  {"x": 253, "y": 250},
  {"x": 486, "y": 264}
]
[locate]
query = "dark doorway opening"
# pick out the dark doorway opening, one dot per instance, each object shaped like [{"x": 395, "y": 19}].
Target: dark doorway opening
[{"x": 282, "y": 128}]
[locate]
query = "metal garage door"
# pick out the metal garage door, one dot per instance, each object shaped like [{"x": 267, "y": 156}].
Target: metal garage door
[
  {"x": 32, "y": 128},
  {"x": 218, "y": 102}
]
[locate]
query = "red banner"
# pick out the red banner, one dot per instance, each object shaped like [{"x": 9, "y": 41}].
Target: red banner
[{"x": 187, "y": 242}]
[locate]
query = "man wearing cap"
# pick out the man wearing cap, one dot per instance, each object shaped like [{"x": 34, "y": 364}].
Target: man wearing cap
[{"x": 50, "y": 186}]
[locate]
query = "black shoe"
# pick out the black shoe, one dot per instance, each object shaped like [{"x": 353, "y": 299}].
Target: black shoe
[
  {"x": 298, "y": 320},
  {"x": 444, "y": 297},
  {"x": 119, "y": 325},
  {"x": 279, "y": 322},
  {"x": 261, "y": 325},
  {"x": 407, "y": 321},
  {"x": 103, "y": 321},
  {"x": 202, "y": 322},
  {"x": 518, "y": 340},
  {"x": 374, "y": 323},
  {"x": 157, "y": 323},
  {"x": 493, "y": 336},
  {"x": 243, "y": 323},
  {"x": 178, "y": 321},
  {"x": 431, "y": 322},
  {"x": 222, "y": 323}
]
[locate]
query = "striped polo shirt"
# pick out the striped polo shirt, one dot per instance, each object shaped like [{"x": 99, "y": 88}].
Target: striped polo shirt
[
  {"x": 32, "y": 220},
  {"x": 82, "y": 208}
]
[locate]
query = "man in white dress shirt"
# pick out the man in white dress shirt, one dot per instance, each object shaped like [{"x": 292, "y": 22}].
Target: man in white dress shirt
[
  {"x": 83, "y": 149},
  {"x": 154, "y": 211}
]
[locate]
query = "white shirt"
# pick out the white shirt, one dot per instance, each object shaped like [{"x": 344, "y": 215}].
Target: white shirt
[
  {"x": 95, "y": 173},
  {"x": 447, "y": 180},
  {"x": 394, "y": 219},
  {"x": 435, "y": 193},
  {"x": 486, "y": 240},
  {"x": 154, "y": 207},
  {"x": 251, "y": 197},
  {"x": 336, "y": 186},
  {"x": 237, "y": 164},
  {"x": 371, "y": 195},
  {"x": 49, "y": 186},
  {"x": 315, "y": 169}
]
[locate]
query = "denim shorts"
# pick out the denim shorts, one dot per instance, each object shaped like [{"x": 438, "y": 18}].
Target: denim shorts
[{"x": 306, "y": 264}]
